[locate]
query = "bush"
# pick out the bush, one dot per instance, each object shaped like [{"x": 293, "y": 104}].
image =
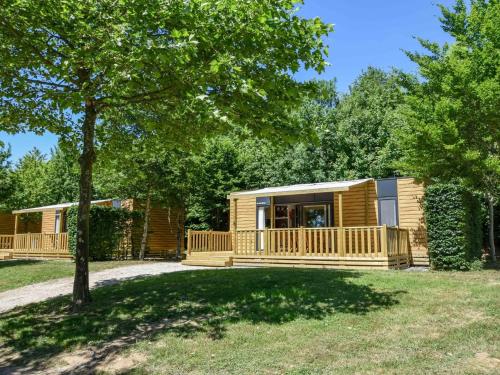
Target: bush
[
  {"x": 107, "y": 227},
  {"x": 454, "y": 226}
]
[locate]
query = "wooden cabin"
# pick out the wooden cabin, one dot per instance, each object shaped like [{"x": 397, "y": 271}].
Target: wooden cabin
[
  {"x": 41, "y": 231},
  {"x": 363, "y": 223}
]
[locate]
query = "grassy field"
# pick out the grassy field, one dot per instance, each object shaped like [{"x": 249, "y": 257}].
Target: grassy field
[
  {"x": 18, "y": 273},
  {"x": 269, "y": 321}
]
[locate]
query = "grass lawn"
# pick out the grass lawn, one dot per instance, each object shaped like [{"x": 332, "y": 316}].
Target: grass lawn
[
  {"x": 18, "y": 273},
  {"x": 270, "y": 321}
]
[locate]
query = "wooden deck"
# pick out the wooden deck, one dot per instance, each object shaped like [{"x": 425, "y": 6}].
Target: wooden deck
[
  {"x": 34, "y": 245},
  {"x": 334, "y": 247}
]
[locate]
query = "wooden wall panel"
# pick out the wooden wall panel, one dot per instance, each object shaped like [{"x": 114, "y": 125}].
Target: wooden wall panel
[
  {"x": 359, "y": 206},
  {"x": 162, "y": 230},
  {"x": 246, "y": 218},
  {"x": 411, "y": 215},
  {"x": 48, "y": 221},
  {"x": 246, "y": 213},
  {"x": 163, "y": 227},
  {"x": 7, "y": 222}
]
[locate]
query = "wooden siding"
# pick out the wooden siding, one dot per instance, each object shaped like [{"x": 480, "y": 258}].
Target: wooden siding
[
  {"x": 48, "y": 221},
  {"x": 246, "y": 213},
  {"x": 7, "y": 222},
  {"x": 162, "y": 230},
  {"x": 246, "y": 217},
  {"x": 411, "y": 216},
  {"x": 359, "y": 206}
]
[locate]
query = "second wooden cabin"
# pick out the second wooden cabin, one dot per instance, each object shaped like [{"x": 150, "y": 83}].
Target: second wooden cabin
[{"x": 42, "y": 231}]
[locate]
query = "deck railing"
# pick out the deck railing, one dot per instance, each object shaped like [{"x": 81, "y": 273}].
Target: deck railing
[
  {"x": 366, "y": 241},
  {"x": 41, "y": 244},
  {"x": 209, "y": 241},
  {"x": 6, "y": 242}
]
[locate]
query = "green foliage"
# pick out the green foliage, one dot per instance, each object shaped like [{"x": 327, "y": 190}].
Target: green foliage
[
  {"x": 38, "y": 180},
  {"x": 107, "y": 228},
  {"x": 453, "y": 118},
  {"x": 181, "y": 68},
  {"x": 7, "y": 185},
  {"x": 216, "y": 171},
  {"x": 454, "y": 227},
  {"x": 349, "y": 138},
  {"x": 30, "y": 177},
  {"x": 62, "y": 173},
  {"x": 132, "y": 166}
]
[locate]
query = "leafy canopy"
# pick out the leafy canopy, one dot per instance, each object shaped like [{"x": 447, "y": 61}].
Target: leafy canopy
[
  {"x": 184, "y": 68},
  {"x": 453, "y": 115}
]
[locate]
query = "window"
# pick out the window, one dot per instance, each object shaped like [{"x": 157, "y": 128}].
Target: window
[
  {"x": 388, "y": 212},
  {"x": 387, "y": 192},
  {"x": 284, "y": 216},
  {"x": 57, "y": 223},
  {"x": 315, "y": 216}
]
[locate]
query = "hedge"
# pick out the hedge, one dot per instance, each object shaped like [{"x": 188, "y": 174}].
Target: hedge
[
  {"x": 454, "y": 226},
  {"x": 107, "y": 227}
]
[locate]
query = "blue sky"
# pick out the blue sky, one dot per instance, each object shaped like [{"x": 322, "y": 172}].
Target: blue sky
[{"x": 366, "y": 33}]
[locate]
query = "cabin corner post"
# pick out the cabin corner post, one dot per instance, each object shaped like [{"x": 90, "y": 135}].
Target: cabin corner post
[
  {"x": 342, "y": 242},
  {"x": 341, "y": 210},
  {"x": 189, "y": 244},
  {"x": 16, "y": 223},
  {"x": 233, "y": 227}
]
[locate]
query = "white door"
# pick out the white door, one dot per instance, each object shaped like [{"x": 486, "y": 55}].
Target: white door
[{"x": 261, "y": 225}]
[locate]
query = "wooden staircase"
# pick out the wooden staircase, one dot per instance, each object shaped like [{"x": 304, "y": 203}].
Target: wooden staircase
[
  {"x": 5, "y": 254},
  {"x": 209, "y": 259}
]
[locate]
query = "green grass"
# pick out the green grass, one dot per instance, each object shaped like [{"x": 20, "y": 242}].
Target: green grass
[
  {"x": 18, "y": 273},
  {"x": 274, "y": 321}
]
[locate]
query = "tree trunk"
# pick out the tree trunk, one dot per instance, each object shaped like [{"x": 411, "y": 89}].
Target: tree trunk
[
  {"x": 81, "y": 292},
  {"x": 491, "y": 231},
  {"x": 144, "y": 241}
]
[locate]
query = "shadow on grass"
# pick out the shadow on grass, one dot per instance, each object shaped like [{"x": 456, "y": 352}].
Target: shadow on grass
[
  {"x": 20, "y": 262},
  {"x": 192, "y": 303}
]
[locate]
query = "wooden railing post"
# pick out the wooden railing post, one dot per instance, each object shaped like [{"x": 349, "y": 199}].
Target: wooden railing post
[
  {"x": 266, "y": 239},
  {"x": 341, "y": 242},
  {"x": 235, "y": 241},
  {"x": 302, "y": 241},
  {"x": 398, "y": 247},
  {"x": 384, "y": 240},
  {"x": 189, "y": 244}
]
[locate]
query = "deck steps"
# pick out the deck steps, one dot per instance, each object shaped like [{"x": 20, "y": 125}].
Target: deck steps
[
  {"x": 4, "y": 255},
  {"x": 209, "y": 259}
]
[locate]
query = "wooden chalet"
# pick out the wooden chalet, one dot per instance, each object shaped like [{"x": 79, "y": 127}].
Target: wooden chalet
[
  {"x": 363, "y": 223},
  {"x": 41, "y": 232}
]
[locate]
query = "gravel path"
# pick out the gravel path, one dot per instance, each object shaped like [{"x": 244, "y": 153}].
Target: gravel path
[{"x": 53, "y": 288}]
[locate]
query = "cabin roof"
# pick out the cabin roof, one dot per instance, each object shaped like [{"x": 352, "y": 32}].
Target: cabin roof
[
  {"x": 320, "y": 187},
  {"x": 56, "y": 206}
]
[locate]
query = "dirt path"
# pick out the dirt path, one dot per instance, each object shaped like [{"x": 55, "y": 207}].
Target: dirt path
[{"x": 53, "y": 288}]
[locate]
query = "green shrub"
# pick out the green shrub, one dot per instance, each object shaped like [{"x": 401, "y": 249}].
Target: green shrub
[
  {"x": 454, "y": 226},
  {"x": 107, "y": 227}
]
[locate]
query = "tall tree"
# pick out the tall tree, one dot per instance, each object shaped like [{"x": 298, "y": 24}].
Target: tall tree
[
  {"x": 453, "y": 114},
  {"x": 6, "y": 178},
  {"x": 141, "y": 167},
  {"x": 30, "y": 181},
  {"x": 62, "y": 173},
  {"x": 189, "y": 67}
]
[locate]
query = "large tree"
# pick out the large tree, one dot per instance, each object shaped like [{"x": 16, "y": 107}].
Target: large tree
[
  {"x": 184, "y": 68},
  {"x": 453, "y": 114},
  {"x": 6, "y": 177}
]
